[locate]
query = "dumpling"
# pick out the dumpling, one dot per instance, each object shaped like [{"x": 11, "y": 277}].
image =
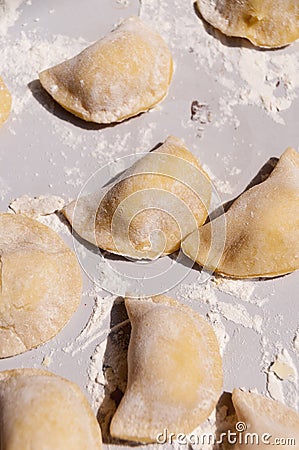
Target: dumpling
[
  {"x": 266, "y": 23},
  {"x": 174, "y": 371},
  {"x": 151, "y": 206},
  {"x": 123, "y": 74},
  {"x": 5, "y": 102},
  {"x": 42, "y": 411},
  {"x": 269, "y": 419},
  {"x": 259, "y": 234},
  {"x": 40, "y": 284}
]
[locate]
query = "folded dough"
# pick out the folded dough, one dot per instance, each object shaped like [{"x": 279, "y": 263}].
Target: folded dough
[
  {"x": 265, "y": 416},
  {"x": 5, "y": 102},
  {"x": 261, "y": 226},
  {"x": 42, "y": 411},
  {"x": 40, "y": 284},
  {"x": 151, "y": 206},
  {"x": 174, "y": 371},
  {"x": 266, "y": 23},
  {"x": 121, "y": 75}
]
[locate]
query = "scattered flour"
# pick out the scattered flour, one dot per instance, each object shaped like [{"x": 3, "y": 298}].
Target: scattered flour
[
  {"x": 282, "y": 378},
  {"x": 23, "y": 58},
  {"x": 221, "y": 186},
  {"x": 37, "y": 206},
  {"x": 45, "y": 209},
  {"x": 9, "y": 14},
  {"x": 266, "y": 79}
]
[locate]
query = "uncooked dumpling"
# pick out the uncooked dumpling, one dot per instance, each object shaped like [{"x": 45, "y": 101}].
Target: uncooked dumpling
[
  {"x": 40, "y": 284},
  {"x": 42, "y": 411},
  {"x": 266, "y": 23},
  {"x": 259, "y": 234},
  {"x": 267, "y": 418},
  {"x": 151, "y": 206},
  {"x": 174, "y": 371},
  {"x": 121, "y": 75},
  {"x": 5, "y": 102}
]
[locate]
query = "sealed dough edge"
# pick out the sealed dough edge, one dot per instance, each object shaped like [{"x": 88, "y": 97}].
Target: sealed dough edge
[
  {"x": 174, "y": 371},
  {"x": 123, "y": 74},
  {"x": 165, "y": 190},
  {"x": 260, "y": 230},
  {"x": 42, "y": 410},
  {"x": 265, "y": 23},
  {"x": 265, "y": 416}
]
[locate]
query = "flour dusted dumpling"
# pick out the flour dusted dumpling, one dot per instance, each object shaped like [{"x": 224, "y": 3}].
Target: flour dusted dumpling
[
  {"x": 40, "y": 284},
  {"x": 269, "y": 419},
  {"x": 259, "y": 232},
  {"x": 174, "y": 371},
  {"x": 42, "y": 411},
  {"x": 121, "y": 75},
  {"x": 5, "y": 102},
  {"x": 266, "y": 23},
  {"x": 147, "y": 211}
]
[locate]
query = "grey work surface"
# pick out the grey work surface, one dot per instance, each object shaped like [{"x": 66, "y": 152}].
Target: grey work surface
[{"x": 36, "y": 156}]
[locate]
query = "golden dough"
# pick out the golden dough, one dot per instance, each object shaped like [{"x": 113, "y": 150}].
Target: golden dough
[
  {"x": 5, "y": 102},
  {"x": 151, "y": 206},
  {"x": 123, "y": 74},
  {"x": 261, "y": 226},
  {"x": 265, "y": 416},
  {"x": 266, "y": 23},
  {"x": 42, "y": 411},
  {"x": 174, "y": 371},
  {"x": 40, "y": 284}
]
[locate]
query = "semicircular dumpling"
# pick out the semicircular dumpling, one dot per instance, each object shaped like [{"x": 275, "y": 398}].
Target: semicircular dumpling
[
  {"x": 264, "y": 22},
  {"x": 259, "y": 235},
  {"x": 5, "y": 102},
  {"x": 151, "y": 206},
  {"x": 40, "y": 410},
  {"x": 174, "y": 371},
  {"x": 40, "y": 283},
  {"x": 121, "y": 75},
  {"x": 264, "y": 416}
]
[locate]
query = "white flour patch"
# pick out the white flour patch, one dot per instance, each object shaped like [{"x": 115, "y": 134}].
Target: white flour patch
[
  {"x": 15, "y": 56},
  {"x": 9, "y": 14},
  {"x": 266, "y": 79}
]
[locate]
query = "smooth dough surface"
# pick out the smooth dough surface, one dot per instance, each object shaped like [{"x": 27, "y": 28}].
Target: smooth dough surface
[
  {"x": 174, "y": 371},
  {"x": 125, "y": 73},
  {"x": 5, "y": 102},
  {"x": 263, "y": 415},
  {"x": 40, "y": 284},
  {"x": 259, "y": 234},
  {"x": 42, "y": 411},
  {"x": 266, "y": 23},
  {"x": 150, "y": 208}
]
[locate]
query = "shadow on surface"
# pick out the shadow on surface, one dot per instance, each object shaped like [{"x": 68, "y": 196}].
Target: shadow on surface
[
  {"x": 230, "y": 41},
  {"x": 47, "y": 102},
  {"x": 115, "y": 369}
]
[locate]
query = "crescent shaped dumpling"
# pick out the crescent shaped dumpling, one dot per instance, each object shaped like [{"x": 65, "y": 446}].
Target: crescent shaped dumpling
[
  {"x": 147, "y": 211},
  {"x": 174, "y": 371},
  {"x": 40, "y": 284},
  {"x": 266, "y": 23},
  {"x": 42, "y": 411},
  {"x": 5, "y": 102},
  {"x": 121, "y": 75},
  {"x": 266, "y": 416},
  {"x": 259, "y": 232}
]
